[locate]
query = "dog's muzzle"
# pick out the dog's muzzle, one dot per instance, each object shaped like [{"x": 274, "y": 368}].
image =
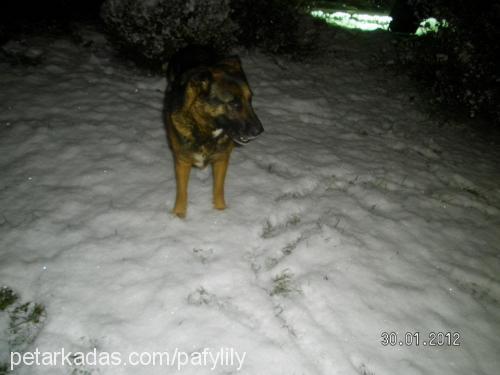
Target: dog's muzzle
[
  {"x": 250, "y": 135},
  {"x": 242, "y": 133},
  {"x": 251, "y": 131}
]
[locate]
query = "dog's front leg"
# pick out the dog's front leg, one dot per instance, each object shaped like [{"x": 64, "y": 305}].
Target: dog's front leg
[
  {"x": 182, "y": 171},
  {"x": 219, "y": 167}
]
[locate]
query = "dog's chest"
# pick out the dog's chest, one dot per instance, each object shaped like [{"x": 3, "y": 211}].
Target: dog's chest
[
  {"x": 200, "y": 159},
  {"x": 203, "y": 152}
]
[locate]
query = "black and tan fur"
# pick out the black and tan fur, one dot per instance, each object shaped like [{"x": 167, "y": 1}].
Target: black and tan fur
[{"x": 208, "y": 111}]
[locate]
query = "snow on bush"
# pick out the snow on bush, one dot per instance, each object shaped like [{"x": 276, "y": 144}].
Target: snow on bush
[{"x": 156, "y": 29}]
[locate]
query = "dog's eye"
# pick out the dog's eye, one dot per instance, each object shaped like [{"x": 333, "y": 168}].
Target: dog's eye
[
  {"x": 235, "y": 104},
  {"x": 215, "y": 101}
]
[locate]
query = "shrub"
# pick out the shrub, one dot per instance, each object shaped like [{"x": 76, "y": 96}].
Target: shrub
[
  {"x": 459, "y": 61},
  {"x": 273, "y": 25},
  {"x": 407, "y": 15},
  {"x": 155, "y": 29}
]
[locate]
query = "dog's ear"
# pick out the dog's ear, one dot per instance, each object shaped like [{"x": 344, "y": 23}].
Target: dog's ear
[
  {"x": 231, "y": 64},
  {"x": 197, "y": 84},
  {"x": 201, "y": 81}
]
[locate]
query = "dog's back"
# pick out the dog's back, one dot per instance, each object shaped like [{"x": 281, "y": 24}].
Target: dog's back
[{"x": 186, "y": 59}]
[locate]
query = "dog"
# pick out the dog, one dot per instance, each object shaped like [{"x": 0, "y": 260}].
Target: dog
[{"x": 208, "y": 110}]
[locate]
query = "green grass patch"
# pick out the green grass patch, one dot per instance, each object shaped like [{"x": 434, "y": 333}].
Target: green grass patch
[
  {"x": 371, "y": 22},
  {"x": 283, "y": 284},
  {"x": 7, "y": 297},
  {"x": 22, "y": 322}
]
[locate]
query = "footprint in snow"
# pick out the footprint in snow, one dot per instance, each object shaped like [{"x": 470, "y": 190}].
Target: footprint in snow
[{"x": 204, "y": 255}]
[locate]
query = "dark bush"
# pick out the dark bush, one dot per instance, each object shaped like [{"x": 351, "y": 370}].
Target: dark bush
[
  {"x": 459, "y": 62},
  {"x": 47, "y": 16},
  {"x": 273, "y": 25},
  {"x": 406, "y": 16},
  {"x": 155, "y": 29}
]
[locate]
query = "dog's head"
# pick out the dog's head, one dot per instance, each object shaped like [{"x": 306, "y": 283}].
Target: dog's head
[{"x": 220, "y": 95}]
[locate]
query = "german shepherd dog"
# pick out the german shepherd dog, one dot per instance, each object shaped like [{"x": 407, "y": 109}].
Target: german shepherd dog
[{"x": 208, "y": 110}]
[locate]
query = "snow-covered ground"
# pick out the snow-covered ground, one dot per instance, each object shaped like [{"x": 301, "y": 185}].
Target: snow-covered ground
[{"x": 353, "y": 214}]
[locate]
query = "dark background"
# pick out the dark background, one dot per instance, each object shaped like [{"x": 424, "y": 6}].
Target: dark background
[{"x": 15, "y": 14}]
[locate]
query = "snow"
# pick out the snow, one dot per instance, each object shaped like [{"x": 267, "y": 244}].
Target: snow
[{"x": 353, "y": 214}]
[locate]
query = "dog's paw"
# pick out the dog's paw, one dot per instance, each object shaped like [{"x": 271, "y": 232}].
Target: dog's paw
[
  {"x": 181, "y": 214},
  {"x": 219, "y": 204}
]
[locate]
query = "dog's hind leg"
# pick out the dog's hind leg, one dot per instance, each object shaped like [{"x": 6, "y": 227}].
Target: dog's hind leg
[
  {"x": 182, "y": 171},
  {"x": 219, "y": 167}
]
